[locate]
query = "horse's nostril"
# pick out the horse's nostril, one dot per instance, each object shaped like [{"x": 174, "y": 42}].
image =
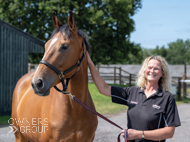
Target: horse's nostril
[
  {"x": 33, "y": 86},
  {"x": 39, "y": 84}
]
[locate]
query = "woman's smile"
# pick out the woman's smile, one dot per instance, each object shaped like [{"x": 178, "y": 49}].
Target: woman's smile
[{"x": 153, "y": 71}]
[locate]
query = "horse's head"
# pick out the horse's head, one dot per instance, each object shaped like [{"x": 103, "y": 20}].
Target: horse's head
[{"x": 63, "y": 50}]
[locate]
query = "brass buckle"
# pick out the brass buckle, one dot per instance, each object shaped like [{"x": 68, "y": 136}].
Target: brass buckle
[{"x": 61, "y": 75}]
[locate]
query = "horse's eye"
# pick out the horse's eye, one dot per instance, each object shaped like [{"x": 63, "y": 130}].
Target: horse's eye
[{"x": 64, "y": 46}]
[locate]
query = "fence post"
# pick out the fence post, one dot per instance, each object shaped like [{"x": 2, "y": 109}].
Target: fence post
[
  {"x": 184, "y": 86},
  {"x": 130, "y": 77},
  {"x": 120, "y": 75},
  {"x": 179, "y": 89},
  {"x": 98, "y": 68},
  {"x": 29, "y": 67},
  {"x": 114, "y": 75}
]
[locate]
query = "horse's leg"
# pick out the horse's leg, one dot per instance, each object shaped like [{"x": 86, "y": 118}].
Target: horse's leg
[
  {"x": 18, "y": 135},
  {"x": 16, "y": 129},
  {"x": 21, "y": 138},
  {"x": 93, "y": 138}
]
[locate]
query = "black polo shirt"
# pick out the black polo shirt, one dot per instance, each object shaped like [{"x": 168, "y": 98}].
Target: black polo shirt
[{"x": 157, "y": 111}]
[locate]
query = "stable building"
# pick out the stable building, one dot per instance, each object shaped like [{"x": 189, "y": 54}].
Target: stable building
[{"x": 15, "y": 46}]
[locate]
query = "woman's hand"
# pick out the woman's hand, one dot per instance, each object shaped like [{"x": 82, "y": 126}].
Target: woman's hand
[
  {"x": 155, "y": 135},
  {"x": 132, "y": 134}
]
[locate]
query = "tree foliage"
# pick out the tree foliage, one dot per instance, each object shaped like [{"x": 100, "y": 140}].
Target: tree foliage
[
  {"x": 136, "y": 56},
  {"x": 177, "y": 52},
  {"x": 107, "y": 22}
]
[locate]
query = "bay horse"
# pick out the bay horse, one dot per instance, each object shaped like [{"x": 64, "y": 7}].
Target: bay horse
[{"x": 40, "y": 113}]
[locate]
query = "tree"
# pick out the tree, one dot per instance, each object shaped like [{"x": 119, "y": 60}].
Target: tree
[
  {"x": 162, "y": 51},
  {"x": 178, "y": 52},
  {"x": 112, "y": 28},
  {"x": 107, "y": 22},
  {"x": 136, "y": 56}
]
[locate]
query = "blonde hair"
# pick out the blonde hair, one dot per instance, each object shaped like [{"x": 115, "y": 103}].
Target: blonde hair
[{"x": 164, "y": 81}]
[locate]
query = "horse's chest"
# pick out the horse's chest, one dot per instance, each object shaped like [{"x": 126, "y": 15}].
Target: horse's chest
[{"x": 68, "y": 130}]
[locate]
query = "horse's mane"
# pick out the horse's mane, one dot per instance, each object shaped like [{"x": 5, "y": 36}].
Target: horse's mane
[{"x": 66, "y": 30}]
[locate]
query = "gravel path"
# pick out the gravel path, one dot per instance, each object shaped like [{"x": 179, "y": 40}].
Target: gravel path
[{"x": 108, "y": 133}]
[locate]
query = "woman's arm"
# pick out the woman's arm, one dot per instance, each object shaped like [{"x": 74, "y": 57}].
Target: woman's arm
[
  {"x": 155, "y": 135},
  {"x": 98, "y": 80}
]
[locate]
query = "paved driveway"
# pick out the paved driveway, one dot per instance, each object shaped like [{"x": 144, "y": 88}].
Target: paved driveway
[{"x": 108, "y": 133}]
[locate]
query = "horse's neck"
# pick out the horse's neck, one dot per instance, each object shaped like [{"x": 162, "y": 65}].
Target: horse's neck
[{"x": 78, "y": 85}]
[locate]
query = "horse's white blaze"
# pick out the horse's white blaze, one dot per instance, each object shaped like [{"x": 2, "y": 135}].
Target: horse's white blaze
[
  {"x": 52, "y": 42},
  {"x": 35, "y": 74}
]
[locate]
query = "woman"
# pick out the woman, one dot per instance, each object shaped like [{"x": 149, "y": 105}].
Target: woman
[{"x": 152, "y": 113}]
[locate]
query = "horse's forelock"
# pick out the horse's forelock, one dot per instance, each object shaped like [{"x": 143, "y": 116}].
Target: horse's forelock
[
  {"x": 61, "y": 29},
  {"x": 66, "y": 30}
]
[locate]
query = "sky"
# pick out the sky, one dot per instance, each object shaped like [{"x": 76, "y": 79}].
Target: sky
[{"x": 160, "y": 22}]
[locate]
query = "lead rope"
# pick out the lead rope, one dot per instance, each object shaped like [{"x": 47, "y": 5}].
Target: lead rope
[
  {"x": 125, "y": 136},
  {"x": 100, "y": 115}
]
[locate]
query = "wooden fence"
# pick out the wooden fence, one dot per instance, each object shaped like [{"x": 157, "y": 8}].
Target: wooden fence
[
  {"x": 182, "y": 85},
  {"x": 115, "y": 75}
]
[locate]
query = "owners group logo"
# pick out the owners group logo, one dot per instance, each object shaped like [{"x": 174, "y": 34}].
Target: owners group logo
[
  {"x": 133, "y": 102},
  {"x": 36, "y": 125},
  {"x": 156, "y": 106}
]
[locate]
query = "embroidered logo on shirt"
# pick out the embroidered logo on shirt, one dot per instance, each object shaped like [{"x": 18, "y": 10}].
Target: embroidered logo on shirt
[
  {"x": 133, "y": 102},
  {"x": 156, "y": 106}
]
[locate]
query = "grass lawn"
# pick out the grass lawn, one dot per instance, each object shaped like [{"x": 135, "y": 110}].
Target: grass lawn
[
  {"x": 102, "y": 103},
  {"x": 183, "y": 100},
  {"x": 4, "y": 120}
]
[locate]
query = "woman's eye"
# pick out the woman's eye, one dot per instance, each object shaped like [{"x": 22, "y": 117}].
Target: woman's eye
[{"x": 64, "y": 46}]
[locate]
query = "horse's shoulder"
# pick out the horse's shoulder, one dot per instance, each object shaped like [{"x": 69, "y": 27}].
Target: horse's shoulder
[
  {"x": 25, "y": 78},
  {"x": 23, "y": 84}
]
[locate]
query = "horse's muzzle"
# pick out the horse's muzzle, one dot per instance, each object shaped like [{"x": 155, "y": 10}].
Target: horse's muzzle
[{"x": 39, "y": 88}]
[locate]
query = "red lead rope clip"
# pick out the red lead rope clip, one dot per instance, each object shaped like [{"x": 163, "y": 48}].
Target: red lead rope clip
[{"x": 125, "y": 136}]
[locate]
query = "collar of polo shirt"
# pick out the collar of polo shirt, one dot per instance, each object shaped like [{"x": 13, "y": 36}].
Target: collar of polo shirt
[{"x": 159, "y": 91}]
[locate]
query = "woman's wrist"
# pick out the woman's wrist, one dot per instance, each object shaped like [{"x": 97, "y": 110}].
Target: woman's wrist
[
  {"x": 90, "y": 63},
  {"x": 140, "y": 134},
  {"x": 143, "y": 136}
]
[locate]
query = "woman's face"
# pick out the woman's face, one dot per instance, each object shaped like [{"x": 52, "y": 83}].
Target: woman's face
[{"x": 153, "y": 71}]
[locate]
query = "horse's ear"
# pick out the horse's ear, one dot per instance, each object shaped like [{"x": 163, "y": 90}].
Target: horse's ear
[
  {"x": 56, "y": 22},
  {"x": 71, "y": 23}
]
